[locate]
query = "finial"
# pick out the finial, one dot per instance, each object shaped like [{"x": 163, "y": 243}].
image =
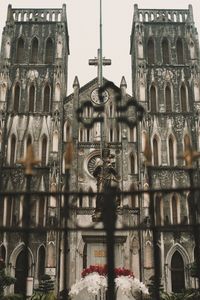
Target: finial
[
  {"x": 68, "y": 155},
  {"x": 29, "y": 161},
  {"x": 147, "y": 150},
  {"x": 123, "y": 82},
  {"x": 189, "y": 155},
  {"x": 76, "y": 82}
]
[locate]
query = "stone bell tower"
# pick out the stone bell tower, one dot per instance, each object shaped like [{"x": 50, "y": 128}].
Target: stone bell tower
[
  {"x": 165, "y": 78},
  {"x": 33, "y": 84}
]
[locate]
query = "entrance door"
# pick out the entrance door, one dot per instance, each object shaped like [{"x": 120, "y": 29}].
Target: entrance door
[
  {"x": 177, "y": 273},
  {"x": 20, "y": 274}
]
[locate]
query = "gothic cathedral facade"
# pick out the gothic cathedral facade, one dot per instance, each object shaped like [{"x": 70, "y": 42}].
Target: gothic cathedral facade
[{"x": 36, "y": 109}]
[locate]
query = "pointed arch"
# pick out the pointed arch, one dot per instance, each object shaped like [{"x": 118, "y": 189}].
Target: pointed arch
[
  {"x": 179, "y": 51},
  {"x": 183, "y": 97},
  {"x": 153, "y": 99},
  {"x": 34, "y": 51},
  {"x": 168, "y": 98},
  {"x": 46, "y": 101},
  {"x": 13, "y": 144},
  {"x": 155, "y": 151},
  {"x": 28, "y": 141},
  {"x": 41, "y": 261},
  {"x": 177, "y": 273},
  {"x": 165, "y": 51},
  {"x": 150, "y": 51},
  {"x": 16, "y": 97},
  {"x": 171, "y": 151},
  {"x": 44, "y": 151},
  {"x": 20, "y": 50},
  {"x": 31, "y": 98},
  {"x": 49, "y": 51}
]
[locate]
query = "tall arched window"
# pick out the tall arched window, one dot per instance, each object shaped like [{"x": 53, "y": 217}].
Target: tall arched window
[
  {"x": 158, "y": 209},
  {"x": 179, "y": 51},
  {"x": 49, "y": 51},
  {"x": 153, "y": 99},
  {"x": 165, "y": 51},
  {"x": 150, "y": 51},
  {"x": 16, "y": 97},
  {"x": 3, "y": 252},
  {"x": 171, "y": 151},
  {"x": 132, "y": 163},
  {"x": 44, "y": 151},
  {"x": 111, "y": 135},
  {"x": 31, "y": 98},
  {"x": 41, "y": 262},
  {"x": 183, "y": 98},
  {"x": 46, "y": 98},
  {"x": 168, "y": 99},
  {"x": 20, "y": 273},
  {"x": 80, "y": 198},
  {"x": 34, "y": 51},
  {"x": 177, "y": 273},
  {"x": 155, "y": 152},
  {"x": 174, "y": 207},
  {"x": 12, "y": 150},
  {"x": 20, "y": 50}
]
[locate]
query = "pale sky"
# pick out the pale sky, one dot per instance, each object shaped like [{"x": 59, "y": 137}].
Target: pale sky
[{"x": 83, "y": 26}]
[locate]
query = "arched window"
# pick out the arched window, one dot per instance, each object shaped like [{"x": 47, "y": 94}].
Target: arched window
[
  {"x": 131, "y": 130},
  {"x": 177, "y": 273},
  {"x": 88, "y": 135},
  {"x": 168, "y": 99},
  {"x": 183, "y": 98},
  {"x": 179, "y": 51},
  {"x": 171, "y": 151},
  {"x": 8, "y": 211},
  {"x": 155, "y": 152},
  {"x": 57, "y": 92},
  {"x": 111, "y": 135},
  {"x": 34, "y": 51},
  {"x": 148, "y": 256},
  {"x": 68, "y": 133},
  {"x": 49, "y": 51},
  {"x": 158, "y": 209},
  {"x": 44, "y": 151},
  {"x": 31, "y": 98},
  {"x": 165, "y": 51},
  {"x": 90, "y": 198},
  {"x": 41, "y": 262},
  {"x": 153, "y": 99},
  {"x": 12, "y": 150},
  {"x": 150, "y": 51},
  {"x": 132, "y": 163},
  {"x": 174, "y": 206},
  {"x": 16, "y": 97},
  {"x": 46, "y": 98},
  {"x": 111, "y": 110},
  {"x": 20, "y": 50},
  {"x": 80, "y": 198},
  {"x": 81, "y": 135}
]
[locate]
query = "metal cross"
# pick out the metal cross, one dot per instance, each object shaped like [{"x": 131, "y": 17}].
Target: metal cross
[
  {"x": 29, "y": 161},
  {"x": 99, "y": 63}
]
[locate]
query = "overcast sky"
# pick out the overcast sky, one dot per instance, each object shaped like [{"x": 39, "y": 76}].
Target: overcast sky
[{"x": 83, "y": 25}]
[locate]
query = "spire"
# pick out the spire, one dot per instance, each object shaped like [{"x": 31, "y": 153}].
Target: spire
[
  {"x": 76, "y": 82},
  {"x": 123, "y": 82}
]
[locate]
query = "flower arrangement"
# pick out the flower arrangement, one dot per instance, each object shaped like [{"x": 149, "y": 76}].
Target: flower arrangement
[{"x": 94, "y": 279}]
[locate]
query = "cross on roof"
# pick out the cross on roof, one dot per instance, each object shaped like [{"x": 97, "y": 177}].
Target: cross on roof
[{"x": 99, "y": 62}]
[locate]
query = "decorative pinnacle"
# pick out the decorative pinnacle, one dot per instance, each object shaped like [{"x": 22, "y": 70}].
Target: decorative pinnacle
[
  {"x": 68, "y": 155},
  {"x": 147, "y": 150},
  {"x": 29, "y": 161},
  {"x": 189, "y": 155}
]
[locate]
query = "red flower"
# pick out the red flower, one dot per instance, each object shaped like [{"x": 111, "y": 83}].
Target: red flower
[{"x": 103, "y": 270}]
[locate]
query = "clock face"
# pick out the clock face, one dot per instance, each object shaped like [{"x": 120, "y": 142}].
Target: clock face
[{"x": 95, "y": 96}]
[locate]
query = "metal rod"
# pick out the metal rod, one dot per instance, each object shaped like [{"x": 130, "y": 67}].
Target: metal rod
[{"x": 101, "y": 48}]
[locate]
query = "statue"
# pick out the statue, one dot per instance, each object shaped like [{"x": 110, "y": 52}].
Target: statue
[{"x": 106, "y": 176}]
